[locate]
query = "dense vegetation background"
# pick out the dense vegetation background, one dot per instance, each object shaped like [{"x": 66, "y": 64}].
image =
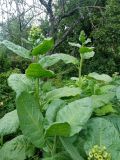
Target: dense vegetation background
[
  {"x": 63, "y": 20},
  {"x": 28, "y": 23}
]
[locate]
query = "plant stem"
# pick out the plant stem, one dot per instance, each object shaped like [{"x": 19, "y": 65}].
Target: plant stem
[
  {"x": 80, "y": 69},
  {"x": 37, "y": 87}
]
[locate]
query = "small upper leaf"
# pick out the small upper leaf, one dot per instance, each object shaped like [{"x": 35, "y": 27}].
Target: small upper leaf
[
  {"x": 84, "y": 50},
  {"x": 43, "y": 47},
  {"x": 82, "y": 37},
  {"x": 74, "y": 44},
  {"x": 35, "y": 70}
]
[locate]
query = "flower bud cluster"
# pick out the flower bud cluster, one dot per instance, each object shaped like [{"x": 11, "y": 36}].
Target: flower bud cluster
[{"x": 99, "y": 153}]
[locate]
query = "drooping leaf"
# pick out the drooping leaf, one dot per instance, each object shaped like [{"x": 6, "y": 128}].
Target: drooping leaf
[
  {"x": 105, "y": 110},
  {"x": 17, "y": 149},
  {"x": 20, "y": 83},
  {"x": 43, "y": 47},
  {"x": 37, "y": 71},
  {"x": 17, "y": 49},
  {"x": 74, "y": 44},
  {"x": 58, "y": 129},
  {"x": 71, "y": 149},
  {"x": 53, "y": 59},
  {"x": 100, "y": 77},
  {"x": 31, "y": 119},
  {"x": 9, "y": 123},
  {"x": 76, "y": 114},
  {"x": 52, "y": 110},
  {"x": 62, "y": 92}
]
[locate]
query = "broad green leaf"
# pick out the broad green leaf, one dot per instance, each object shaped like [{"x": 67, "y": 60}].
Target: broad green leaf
[
  {"x": 58, "y": 129},
  {"x": 31, "y": 119},
  {"x": 86, "y": 50},
  {"x": 47, "y": 61},
  {"x": 43, "y": 47},
  {"x": 71, "y": 149},
  {"x": 100, "y": 77},
  {"x": 52, "y": 110},
  {"x": 35, "y": 70},
  {"x": 9, "y": 123},
  {"x": 102, "y": 132},
  {"x": 17, "y": 49},
  {"x": 82, "y": 37},
  {"x": 105, "y": 110},
  {"x": 17, "y": 149},
  {"x": 101, "y": 100},
  {"x": 88, "y": 55},
  {"x": 76, "y": 114},
  {"x": 74, "y": 44},
  {"x": 62, "y": 92},
  {"x": 20, "y": 83}
]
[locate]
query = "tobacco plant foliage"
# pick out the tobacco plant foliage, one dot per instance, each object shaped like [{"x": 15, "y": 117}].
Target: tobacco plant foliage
[{"x": 78, "y": 121}]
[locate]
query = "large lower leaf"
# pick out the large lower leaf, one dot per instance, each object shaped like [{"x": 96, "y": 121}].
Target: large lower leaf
[
  {"x": 37, "y": 71},
  {"x": 31, "y": 119},
  {"x": 9, "y": 123},
  {"x": 43, "y": 47},
  {"x": 52, "y": 59},
  {"x": 118, "y": 93},
  {"x": 62, "y": 92},
  {"x": 17, "y": 149},
  {"x": 102, "y": 132},
  {"x": 17, "y": 49},
  {"x": 76, "y": 114},
  {"x": 20, "y": 83},
  {"x": 58, "y": 129}
]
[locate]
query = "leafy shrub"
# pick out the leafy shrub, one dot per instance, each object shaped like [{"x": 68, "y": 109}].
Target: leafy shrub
[{"x": 66, "y": 122}]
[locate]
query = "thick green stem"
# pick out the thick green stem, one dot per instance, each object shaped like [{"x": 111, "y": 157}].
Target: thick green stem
[
  {"x": 80, "y": 69},
  {"x": 37, "y": 88}
]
